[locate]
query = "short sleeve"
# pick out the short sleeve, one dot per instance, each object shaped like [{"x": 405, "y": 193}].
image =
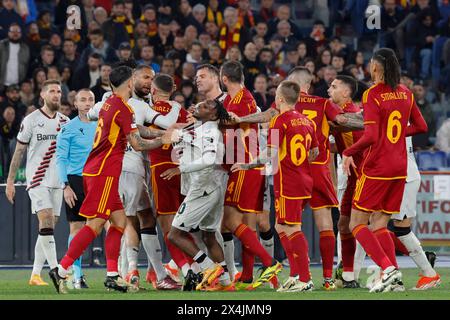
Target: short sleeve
[
  {"x": 276, "y": 133},
  {"x": 331, "y": 110},
  {"x": 126, "y": 120},
  {"x": 25, "y": 132}
]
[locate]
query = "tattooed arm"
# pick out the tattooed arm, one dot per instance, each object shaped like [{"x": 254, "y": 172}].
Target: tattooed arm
[
  {"x": 15, "y": 164},
  {"x": 258, "y": 117},
  {"x": 148, "y": 133},
  {"x": 264, "y": 157},
  {"x": 140, "y": 144},
  {"x": 313, "y": 153},
  {"x": 350, "y": 122}
]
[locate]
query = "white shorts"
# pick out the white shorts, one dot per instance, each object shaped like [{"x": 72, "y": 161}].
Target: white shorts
[
  {"x": 133, "y": 192},
  {"x": 409, "y": 201},
  {"x": 267, "y": 195},
  {"x": 46, "y": 198},
  {"x": 203, "y": 212}
]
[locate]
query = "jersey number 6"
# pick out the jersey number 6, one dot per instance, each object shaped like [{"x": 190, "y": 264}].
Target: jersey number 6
[
  {"x": 297, "y": 144},
  {"x": 393, "y": 122},
  {"x": 98, "y": 133}
]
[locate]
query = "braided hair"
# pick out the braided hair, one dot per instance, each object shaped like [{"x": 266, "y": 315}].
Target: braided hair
[
  {"x": 221, "y": 113},
  {"x": 391, "y": 67}
]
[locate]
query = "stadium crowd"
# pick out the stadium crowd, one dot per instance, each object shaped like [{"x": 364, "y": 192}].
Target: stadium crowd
[{"x": 173, "y": 37}]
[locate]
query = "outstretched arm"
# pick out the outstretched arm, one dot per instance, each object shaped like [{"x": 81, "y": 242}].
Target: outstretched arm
[
  {"x": 258, "y": 117},
  {"x": 263, "y": 158},
  {"x": 148, "y": 133},
  {"x": 350, "y": 122}
]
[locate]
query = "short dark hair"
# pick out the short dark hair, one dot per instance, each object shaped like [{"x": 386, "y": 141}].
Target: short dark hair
[
  {"x": 118, "y": 2},
  {"x": 233, "y": 70},
  {"x": 163, "y": 82},
  {"x": 299, "y": 69},
  {"x": 290, "y": 91},
  {"x": 212, "y": 69},
  {"x": 97, "y": 32},
  {"x": 119, "y": 75},
  {"x": 47, "y": 47},
  {"x": 50, "y": 82},
  {"x": 142, "y": 67},
  {"x": 96, "y": 55},
  {"x": 350, "y": 82}
]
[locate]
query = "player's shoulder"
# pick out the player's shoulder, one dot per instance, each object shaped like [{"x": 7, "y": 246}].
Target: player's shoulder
[{"x": 372, "y": 92}]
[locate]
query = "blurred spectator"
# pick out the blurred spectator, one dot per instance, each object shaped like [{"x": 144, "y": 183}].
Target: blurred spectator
[
  {"x": 89, "y": 7},
  {"x": 407, "y": 80},
  {"x": 317, "y": 40},
  {"x": 163, "y": 41},
  {"x": 232, "y": 32},
  {"x": 14, "y": 58},
  {"x": 212, "y": 29},
  {"x": 8, "y": 16},
  {"x": 233, "y": 54},
  {"x": 9, "y": 126},
  {"x": 179, "y": 97},
  {"x": 194, "y": 55},
  {"x": 259, "y": 42},
  {"x": 66, "y": 75},
  {"x": 187, "y": 88},
  {"x": 53, "y": 74},
  {"x": 199, "y": 15},
  {"x": 100, "y": 46},
  {"x": 283, "y": 13},
  {"x": 266, "y": 11},
  {"x": 276, "y": 43},
  {"x": 265, "y": 58},
  {"x": 100, "y": 15},
  {"x": 149, "y": 17},
  {"x": 291, "y": 59},
  {"x": 13, "y": 100},
  {"x": 44, "y": 23},
  {"x": 357, "y": 59},
  {"x": 214, "y": 12},
  {"x": 147, "y": 58},
  {"x": 118, "y": 28},
  {"x": 190, "y": 35},
  {"x": 102, "y": 84},
  {"x": 263, "y": 99},
  {"x": 140, "y": 43},
  {"x": 302, "y": 50},
  {"x": 168, "y": 67},
  {"x": 188, "y": 72},
  {"x": 39, "y": 77},
  {"x": 284, "y": 31},
  {"x": 246, "y": 18},
  {"x": 87, "y": 75},
  {"x": 251, "y": 65},
  {"x": 33, "y": 40},
  {"x": 65, "y": 108},
  {"x": 425, "y": 35},
  {"x": 422, "y": 140},
  {"x": 214, "y": 54},
  {"x": 338, "y": 62},
  {"x": 141, "y": 29},
  {"x": 70, "y": 55},
  {"x": 261, "y": 29},
  {"x": 324, "y": 59},
  {"x": 45, "y": 60},
  {"x": 124, "y": 52},
  {"x": 392, "y": 35},
  {"x": 321, "y": 89},
  {"x": 26, "y": 92},
  {"x": 338, "y": 47},
  {"x": 443, "y": 136}
]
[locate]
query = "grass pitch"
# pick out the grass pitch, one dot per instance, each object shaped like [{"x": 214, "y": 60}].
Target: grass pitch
[{"x": 14, "y": 286}]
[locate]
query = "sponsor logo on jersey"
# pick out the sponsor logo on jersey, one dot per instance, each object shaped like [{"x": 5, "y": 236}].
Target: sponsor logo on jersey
[{"x": 45, "y": 137}]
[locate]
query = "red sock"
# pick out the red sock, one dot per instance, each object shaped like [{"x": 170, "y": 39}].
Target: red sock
[
  {"x": 327, "y": 243},
  {"x": 371, "y": 246},
  {"x": 112, "y": 248},
  {"x": 385, "y": 240},
  {"x": 399, "y": 246},
  {"x": 248, "y": 261},
  {"x": 176, "y": 253},
  {"x": 286, "y": 243},
  {"x": 348, "y": 242},
  {"x": 79, "y": 243},
  {"x": 248, "y": 239},
  {"x": 299, "y": 247}
]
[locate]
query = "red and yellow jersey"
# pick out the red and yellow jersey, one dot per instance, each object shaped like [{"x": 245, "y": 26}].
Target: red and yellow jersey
[
  {"x": 115, "y": 122},
  {"x": 345, "y": 140},
  {"x": 293, "y": 134},
  {"x": 320, "y": 111},
  {"x": 244, "y": 142},
  {"x": 386, "y": 116},
  {"x": 163, "y": 154}
]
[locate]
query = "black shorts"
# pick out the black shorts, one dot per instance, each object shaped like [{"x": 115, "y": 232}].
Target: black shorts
[{"x": 76, "y": 183}]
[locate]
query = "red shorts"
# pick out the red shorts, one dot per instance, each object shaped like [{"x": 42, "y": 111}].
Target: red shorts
[
  {"x": 166, "y": 193},
  {"x": 378, "y": 195},
  {"x": 323, "y": 194},
  {"x": 347, "y": 198},
  {"x": 245, "y": 190},
  {"x": 289, "y": 211},
  {"x": 102, "y": 197}
]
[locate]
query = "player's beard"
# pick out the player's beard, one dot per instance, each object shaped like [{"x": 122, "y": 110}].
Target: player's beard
[
  {"x": 53, "y": 106},
  {"x": 140, "y": 91}
]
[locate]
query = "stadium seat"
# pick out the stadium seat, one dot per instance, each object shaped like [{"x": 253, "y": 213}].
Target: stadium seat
[{"x": 431, "y": 160}]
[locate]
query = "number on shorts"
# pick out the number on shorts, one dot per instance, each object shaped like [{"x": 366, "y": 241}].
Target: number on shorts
[
  {"x": 230, "y": 187},
  {"x": 98, "y": 133},
  {"x": 182, "y": 207},
  {"x": 297, "y": 144},
  {"x": 393, "y": 122}
]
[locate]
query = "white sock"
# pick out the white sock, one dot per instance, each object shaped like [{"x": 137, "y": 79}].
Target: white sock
[
  {"x": 195, "y": 267},
  {"x": 185, "y": 268},
  {"x": 416, "y": 253},
  {"x": 39, "y": 257},
  {"x": 123, "y": 261},
  {"x": 112, "y": 274},
  {"x": 132, "y": 257},
  {"x": 339, "y": 248},
  {"x": 268, "y": 245},
  {"x": 228, "y": 252},
  {"x": 348, "y": 276},
  {"x": 199, "y": 241},
  {"x": 49, "y": 247},
  {"x": 225, "y": 277},
  {"x": 206, "y": 263},
  {"x": 358, "y": 262},
  {"x": 62, "y": 272},
  {"x": 152, "y": 247}
]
